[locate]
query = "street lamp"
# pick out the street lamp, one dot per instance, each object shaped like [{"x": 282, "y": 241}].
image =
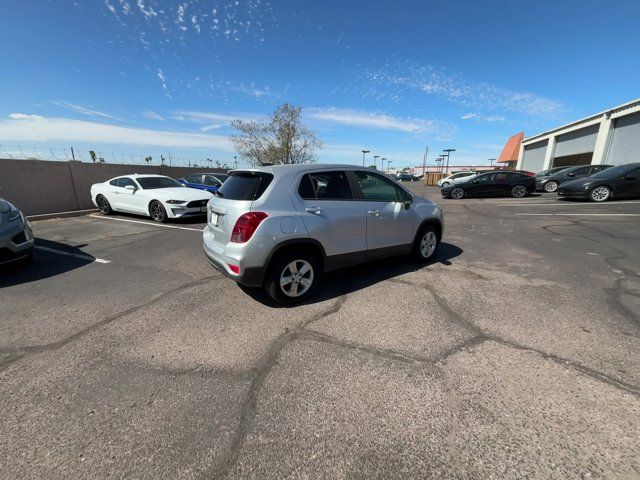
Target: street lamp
[
  {"x": 382, "y": 163},
  {"x": 389, "y": 165},
  {"x": 441, "y": 160},
  {"x": 491, "y": 160},
  {"x": 364, "y": 152},
  {"x": 448, "y": 152},
  {"x": 375, "y": 159}
]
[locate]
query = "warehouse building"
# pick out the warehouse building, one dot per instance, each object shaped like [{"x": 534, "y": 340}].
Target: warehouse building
[{"x": 611, "y": 137}]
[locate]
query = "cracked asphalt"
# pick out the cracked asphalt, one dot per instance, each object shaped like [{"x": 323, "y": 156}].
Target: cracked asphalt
[{"x": 514, "y": 354}]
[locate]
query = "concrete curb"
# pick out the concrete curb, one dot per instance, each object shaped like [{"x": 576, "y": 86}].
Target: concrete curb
[{"x": 49, "y": 216}]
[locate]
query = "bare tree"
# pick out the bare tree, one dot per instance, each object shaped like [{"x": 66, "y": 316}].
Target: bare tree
[{"x": 281, "y": 138}]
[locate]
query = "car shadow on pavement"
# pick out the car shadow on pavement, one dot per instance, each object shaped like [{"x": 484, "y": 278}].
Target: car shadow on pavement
[
  {"x": 351, "y": 279},
  {"x": 45, "y": 263}
]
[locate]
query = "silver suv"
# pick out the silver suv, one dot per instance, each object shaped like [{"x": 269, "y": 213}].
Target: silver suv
[{"x": 282, "y": 226}]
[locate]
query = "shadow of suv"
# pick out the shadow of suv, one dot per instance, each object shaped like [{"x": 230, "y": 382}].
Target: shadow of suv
[{"x": 281, "y": 227}]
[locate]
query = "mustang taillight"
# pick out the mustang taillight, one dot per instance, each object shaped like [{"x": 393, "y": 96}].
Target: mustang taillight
[{"x": 246, "y": 226}]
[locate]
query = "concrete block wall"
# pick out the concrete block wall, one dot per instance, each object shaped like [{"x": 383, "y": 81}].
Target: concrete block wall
[{"x": 41, "y": 187}]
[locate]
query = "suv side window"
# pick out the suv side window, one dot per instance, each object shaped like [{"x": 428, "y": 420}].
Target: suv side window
[
  {"x": 211, "y": 181},
  {"x": 124, "y": 181},
  {"x": 325, "y": 186},
  {"x": 376, "y": 188}
]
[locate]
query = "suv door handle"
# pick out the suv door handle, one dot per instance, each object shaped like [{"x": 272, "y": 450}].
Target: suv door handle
[
  {"x": 314, "y": 210},
  {"x": 375, "y": 213}
]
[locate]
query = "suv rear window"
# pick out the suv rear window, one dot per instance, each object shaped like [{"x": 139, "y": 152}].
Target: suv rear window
[
  {"x": 245, "y": 185},
  {"x": 325, "y": 186}
]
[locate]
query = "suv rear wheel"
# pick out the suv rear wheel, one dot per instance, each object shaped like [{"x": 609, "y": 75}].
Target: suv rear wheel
[{"x": 292, "y": 277}]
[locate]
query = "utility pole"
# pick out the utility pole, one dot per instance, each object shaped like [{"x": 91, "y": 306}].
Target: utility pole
[
  {"x": 424, "y": 161},
  {"x": 448, "y": 152},
  {"x": 73, "y": 155},
  {"x": 364, "y": 152}
]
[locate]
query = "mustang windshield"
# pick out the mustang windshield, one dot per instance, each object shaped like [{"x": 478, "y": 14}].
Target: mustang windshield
[{"x": 150, "y": 183}]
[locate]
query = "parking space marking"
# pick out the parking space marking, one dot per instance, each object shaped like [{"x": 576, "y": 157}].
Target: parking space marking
[
  {"x": 60, "y": 213},
  {"x": 581, "y": 214},
  {"x": 558, "y": 204},
  {"x": 74, "y": 255},
  {"x": 147, "y": 223}
]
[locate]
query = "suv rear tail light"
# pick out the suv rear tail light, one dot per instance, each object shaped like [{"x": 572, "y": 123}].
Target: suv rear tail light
[{"x": 246, "y": 226}]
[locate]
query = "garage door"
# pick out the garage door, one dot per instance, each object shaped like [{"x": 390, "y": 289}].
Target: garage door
[
  {"x": 533, "y": 160},
  {"x": 576, "y": 142},
  {"x": 625, "y": 143}
]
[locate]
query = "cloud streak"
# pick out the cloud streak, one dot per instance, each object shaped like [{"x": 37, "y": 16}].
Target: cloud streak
[
  {"x": 409, "y": 79},
  {"x": 81, "y": 109},
  {"x": 364, "y": 119},
  {"x": 33, "y": 128}
]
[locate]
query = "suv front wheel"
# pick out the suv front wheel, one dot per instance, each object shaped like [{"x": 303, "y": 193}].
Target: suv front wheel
[
  {"x": 292, "y": 277},
  {"x": 426, "y": 243}
]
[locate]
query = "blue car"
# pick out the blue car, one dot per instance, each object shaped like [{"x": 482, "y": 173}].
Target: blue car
[{"x": 204, "y": 181}]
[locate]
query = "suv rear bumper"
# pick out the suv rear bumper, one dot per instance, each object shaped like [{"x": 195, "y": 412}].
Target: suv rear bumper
[{"x": 249, "y": 276}]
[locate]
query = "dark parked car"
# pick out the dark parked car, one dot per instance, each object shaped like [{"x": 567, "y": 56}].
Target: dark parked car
[
  {"x": 407, "y": 177},
  {"x": 622, "y": 181},
  {"x": 550, "y": 183},
  {"x": 493, "y": 184},
  {"x": 204, "y": 181}
]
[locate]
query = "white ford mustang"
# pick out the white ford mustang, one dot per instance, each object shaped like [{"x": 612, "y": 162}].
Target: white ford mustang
[{"x": 155, "y": 196}]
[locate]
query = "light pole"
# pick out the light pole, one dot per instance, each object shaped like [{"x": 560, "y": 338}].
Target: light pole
[
  {"x": 441, "y": 160},
  {"x": 382, "y": 163},
  {"x": 364, "y": 153},
  {"x": 491, "y": 160},
  {"x": 375, "y": 159},
  {"x": 389, "y": 165},
  {"x": 448, "y": 152}
]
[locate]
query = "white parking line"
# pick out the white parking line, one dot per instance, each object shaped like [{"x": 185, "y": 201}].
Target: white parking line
[
  {"x": 74, "y": 255},
  {"x": 60, "y": 213},
  {"x": 558, "y": 204},
  {"x": 147, "y": 223},
  {"x": 580, "y": 214}
]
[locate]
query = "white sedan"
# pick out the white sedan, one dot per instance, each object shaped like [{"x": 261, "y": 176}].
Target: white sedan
[{"x": 155, "y": 196}]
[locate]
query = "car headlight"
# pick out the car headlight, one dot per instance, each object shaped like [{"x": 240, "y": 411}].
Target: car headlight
[
  {"x": 14, "y": 214},
  {"x": 176, "y": 202}
]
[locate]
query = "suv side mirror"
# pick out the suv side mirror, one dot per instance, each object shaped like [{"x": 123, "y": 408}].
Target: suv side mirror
[
  {"x": 408, "y": 200},
  {"x": 571, "y": 174},
  {"x": 130, "y": 188}
]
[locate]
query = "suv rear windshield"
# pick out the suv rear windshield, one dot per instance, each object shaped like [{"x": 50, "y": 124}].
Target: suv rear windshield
[{"x": 245, "y": 185}]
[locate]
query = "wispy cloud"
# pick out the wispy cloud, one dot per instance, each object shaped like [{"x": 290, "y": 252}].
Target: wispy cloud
[
  {"x": 363, "y": 119},
  {"x": 483, "y": 118},
  {"x": 151, "y": 115},
  {"x": 24, "y": 127},
  {"x": 208, "y": 117},
  {"x": 255, "y": 91},
  {"x": 407, "y": 79},
  {"x": 163, "y": 82},
  {"x": 81, "y": 109}
]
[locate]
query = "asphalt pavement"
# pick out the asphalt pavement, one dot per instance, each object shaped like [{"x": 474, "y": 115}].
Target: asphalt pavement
[{"x": 514, "y": 354}]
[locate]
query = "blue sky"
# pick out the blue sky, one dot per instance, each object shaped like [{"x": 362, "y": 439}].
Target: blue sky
[{"x": 148, "y": 77}]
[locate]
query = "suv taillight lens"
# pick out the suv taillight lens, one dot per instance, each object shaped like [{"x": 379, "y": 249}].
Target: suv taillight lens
[{"x": 246, "y": 226}]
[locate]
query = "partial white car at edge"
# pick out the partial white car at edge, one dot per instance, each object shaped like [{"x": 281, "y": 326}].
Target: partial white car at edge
[{"x": 155, "y": 196}]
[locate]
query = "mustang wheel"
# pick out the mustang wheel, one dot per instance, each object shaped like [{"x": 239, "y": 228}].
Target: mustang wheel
[
  {"x": 103, "y": 205},
  {"x": 426, "y": 243},
  {"x": 157, "y": 211},
  {"x": 551, "y": 186},
  {"x": 600, "y": 194},
  {"x": 519, "y": 191},
  {"x": 292, "y": 277},
  {"x": 457, "y": 193}
]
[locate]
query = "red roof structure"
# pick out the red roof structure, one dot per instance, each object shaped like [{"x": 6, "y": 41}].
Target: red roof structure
[{"x": 511, "y": 150}]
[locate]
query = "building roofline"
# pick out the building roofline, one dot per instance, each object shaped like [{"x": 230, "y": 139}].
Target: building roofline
[{"x": 595, "y": 116}]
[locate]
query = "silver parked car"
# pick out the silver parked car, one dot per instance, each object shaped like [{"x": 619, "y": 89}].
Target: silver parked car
[
  {"x": 16, "y": 237},
  {"x": 282, "y": 226}
]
